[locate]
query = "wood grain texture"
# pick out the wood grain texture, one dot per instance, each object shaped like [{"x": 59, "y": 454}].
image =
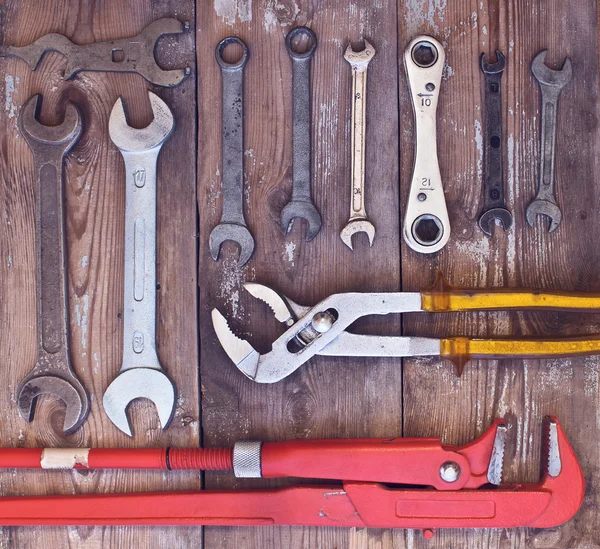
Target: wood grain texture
[
  {"x": 95, "y": 205},
  {"x": 327, "y": 398}
]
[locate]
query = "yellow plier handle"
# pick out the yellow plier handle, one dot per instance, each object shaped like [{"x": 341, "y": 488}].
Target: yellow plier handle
[
  {"x": 442, "y": 297},
  {"x": 460, "y": 350}
]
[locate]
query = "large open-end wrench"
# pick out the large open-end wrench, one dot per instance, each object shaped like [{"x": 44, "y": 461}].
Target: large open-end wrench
[
  {"x": 551, "y": 84},
  {"x": 134, "y": 54},
  {"x": 232, "y": 225},
  {"x": 358, "y": 222},
  {"x": 301, "y": 204},
  {"x": 426, "y": 224},
  {"x": 494, "y": 205},
  {"x": 52, "y": 373},
  {"x": 141, "y": 375}
]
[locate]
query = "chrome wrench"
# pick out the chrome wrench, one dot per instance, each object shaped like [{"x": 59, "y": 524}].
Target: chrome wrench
[
  {"x": 301, "y": 204},
  {"x": 426, "y": 224},
  {"x": 358, "y": 222},
  {"x": 232, "y": 225},
  {"x": 551, "y": 84},
  {"x": 141, "y": 375},
  {"x": 52, "y": 373}
]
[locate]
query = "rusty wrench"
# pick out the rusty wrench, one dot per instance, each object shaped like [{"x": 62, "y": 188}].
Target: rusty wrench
[
  {"x": 52, "y": 373},
  {"x": 494, "y": 205},
  {"x": 551, "y": 84},
  {"x": 134, "y": 54},
  {"x": 232, "y": 225},
  {"x": 301, "y": 204},
  {"x": 358, "y": 222},
  {"x": 141, "y": 375}
]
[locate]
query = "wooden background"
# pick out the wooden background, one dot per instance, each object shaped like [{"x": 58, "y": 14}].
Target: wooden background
[{"x": 329, "y": 397}]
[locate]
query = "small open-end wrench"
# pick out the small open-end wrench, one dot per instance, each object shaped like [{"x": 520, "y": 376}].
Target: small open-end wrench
[
  {"x": 551, "y": 84},
  {"x": 52, "y": 373},
  {"x": 134, "y": 54},
  {"x": 141, "y": 375},
  {"x": 232, "y": 225},
  {"x": 494, "y": 205},
  {"x": 301, "y": 204},
  {"x": 358, "y": 222},
  {"x": 426, "y": 224}
]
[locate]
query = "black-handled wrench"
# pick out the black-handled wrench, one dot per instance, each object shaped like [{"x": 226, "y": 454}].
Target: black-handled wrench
[
  {"x": 301, "y": 204},
  {"x": 494, "y": 204},
  {"x": 233, "y": 224}
]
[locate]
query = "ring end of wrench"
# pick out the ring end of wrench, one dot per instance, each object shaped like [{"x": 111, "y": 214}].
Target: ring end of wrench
[{"x": 357, "y": 226}]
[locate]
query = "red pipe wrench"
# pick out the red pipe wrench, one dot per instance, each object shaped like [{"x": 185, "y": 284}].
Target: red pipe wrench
[{"x": 444, "y": 486}]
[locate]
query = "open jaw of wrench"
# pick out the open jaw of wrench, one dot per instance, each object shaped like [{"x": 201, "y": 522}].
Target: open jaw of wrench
[
  {"x": 551, "y": 84},
  {"x": 321, "y": 330},
  {"x": 141, "y": 375},
  {"x": 301, "y": 204},
  {"x": 232, "y": 225},
  {"x": 52, "y": 373},
  {"x": 134, "y": 54},
  {"x": 426, "y": 224},
  {"x": 358, "y": 222},
  {"x": 494, "y": 205}
]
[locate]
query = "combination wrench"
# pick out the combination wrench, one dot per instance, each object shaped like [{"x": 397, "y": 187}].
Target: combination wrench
[
  {"x": 232, "y": 225},
  {"x": 494, "y": 205},
  {"x": 426, "y": 224},
  {"x": 52, "y": 373},
  {"x": 301, "y": 204},
  {"x": 141, "y": 375},
  {"x": 358, "y": 222},
  {"x": 551, "y": 84},
  {"x": 135, "y": 54}
]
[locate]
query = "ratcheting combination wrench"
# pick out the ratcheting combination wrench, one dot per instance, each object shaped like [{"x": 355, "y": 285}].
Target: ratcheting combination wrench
[
  {"x": 141, "y": 375},
  {"x": 494, "y": 205},
  {"x": 426, "y": 224},
  {"x": 134, "y": 54},
  {"x": 358, "y": 222},
  {"x": 321, "y": 330},
  {"x": 551, "y": 84},
  {"x": 377, "y": 482},
  {"x": 301, "y": 204},
  {"x": 232, "y": 225},
  {"x": 52, "y": 373}
]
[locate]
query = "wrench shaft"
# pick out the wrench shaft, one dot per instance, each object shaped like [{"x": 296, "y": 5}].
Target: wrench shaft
[
  {"x": 359, "y": 94},
  {"x": 301, "y": 125},
  {"x": 233, "y": 147},
  {"x": 139, "y": 314},
  {"x": 51, "y": 273},
  {"x": 548, "y": 140}
]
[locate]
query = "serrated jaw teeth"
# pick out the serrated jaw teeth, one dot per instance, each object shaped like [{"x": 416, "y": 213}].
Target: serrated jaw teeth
[{"x": 551, "y": 462}]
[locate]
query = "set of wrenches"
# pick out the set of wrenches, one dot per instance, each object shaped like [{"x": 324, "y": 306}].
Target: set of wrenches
[{"x": 141, "y": 374}]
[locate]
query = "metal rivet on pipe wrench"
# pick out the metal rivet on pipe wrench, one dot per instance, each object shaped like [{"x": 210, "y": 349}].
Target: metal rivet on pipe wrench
[
  {"x": 358, "y": 222},
  {"x": 232, "y": 225},
  {"x": 494, "y": 206},
  {"x": 136, "y": 54},
  {"x": 551, "y": 84},
  {"x": 301, "y": 204},
  {"x": 141, "y": 375},
  {"x": 426, "y": 224},
  {"x": 52, "y": 373}
]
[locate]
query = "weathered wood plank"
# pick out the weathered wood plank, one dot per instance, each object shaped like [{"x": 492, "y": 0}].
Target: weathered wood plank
[
  {"x": 95, "y": 196},
  {"x": 523, "y": 392},
  {"x": 328, "y": 398}
]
